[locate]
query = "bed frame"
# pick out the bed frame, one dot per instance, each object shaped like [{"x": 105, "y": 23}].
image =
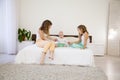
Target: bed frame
[{"x": 34, "y": 37}]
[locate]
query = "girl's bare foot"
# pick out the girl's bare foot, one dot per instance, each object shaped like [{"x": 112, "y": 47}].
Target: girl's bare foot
[
  {"x": 51, "y": 58},
  {"x": 41, "y": 63}
]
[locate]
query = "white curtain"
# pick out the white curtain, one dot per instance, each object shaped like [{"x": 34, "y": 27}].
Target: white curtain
[{"x": 8, "y": 26}]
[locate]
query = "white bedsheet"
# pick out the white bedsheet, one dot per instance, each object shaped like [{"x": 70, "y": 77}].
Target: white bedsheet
[{"x": 62, "y": 55}]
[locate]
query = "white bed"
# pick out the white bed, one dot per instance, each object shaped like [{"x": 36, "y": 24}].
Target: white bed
[{"x": 63, "y": 55}]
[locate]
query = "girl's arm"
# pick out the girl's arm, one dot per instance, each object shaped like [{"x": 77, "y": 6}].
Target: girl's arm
[
  {"x": 85, "y": 39},
  {"x": 52, "y": 38},
  {"x": 78, "y": 41},
  {"x": 43, "y": 37}
]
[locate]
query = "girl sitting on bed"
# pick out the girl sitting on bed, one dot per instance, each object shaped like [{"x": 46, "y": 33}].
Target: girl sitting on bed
[
  {"x": 83, "y": 37},
  {"x": 61, "y": 41},
  {"x": 45, "y": 41}
]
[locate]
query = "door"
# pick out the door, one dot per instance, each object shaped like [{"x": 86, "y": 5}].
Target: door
[{"x": 114, "y": 28}]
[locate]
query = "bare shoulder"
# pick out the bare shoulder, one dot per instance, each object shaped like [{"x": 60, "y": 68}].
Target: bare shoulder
[{"x": 40, "y": 31}]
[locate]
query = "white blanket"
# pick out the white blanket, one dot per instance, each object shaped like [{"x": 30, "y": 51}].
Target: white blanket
[{"x": 62, "y": 55}]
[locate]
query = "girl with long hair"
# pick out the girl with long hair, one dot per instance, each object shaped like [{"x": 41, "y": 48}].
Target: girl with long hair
[
  {"x": 45, "y": 41},
  {"x": 83, "y": 38}
]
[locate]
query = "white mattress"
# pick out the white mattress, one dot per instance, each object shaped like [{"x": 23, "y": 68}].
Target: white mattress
[{"x": 62, "y": 55}]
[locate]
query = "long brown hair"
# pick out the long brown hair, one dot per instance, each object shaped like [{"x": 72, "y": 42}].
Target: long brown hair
[
  {"x": 84, "y": 29},
  {"x": 46, "y": 26}
]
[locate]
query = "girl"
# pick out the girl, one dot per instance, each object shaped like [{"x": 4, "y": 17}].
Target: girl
[
  {"x": 45, "y": 41},
  {"x": 83, "y": 37}
]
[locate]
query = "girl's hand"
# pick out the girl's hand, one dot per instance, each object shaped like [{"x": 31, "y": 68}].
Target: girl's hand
[
  {"x": 69, "y": 43},
  {"x": 55, "y": 40}
]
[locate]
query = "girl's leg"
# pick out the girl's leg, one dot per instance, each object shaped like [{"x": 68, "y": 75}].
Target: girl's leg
[
  {"x": 52, "y": 48},
  {"x": 46, "y": 48},
  {"x": 79, "y": 45}
]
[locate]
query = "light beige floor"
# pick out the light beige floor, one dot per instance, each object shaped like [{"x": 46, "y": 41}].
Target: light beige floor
[{"x": 109, "y": 64}]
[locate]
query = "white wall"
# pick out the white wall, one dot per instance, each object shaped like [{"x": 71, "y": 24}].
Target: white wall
[{"x": 66, "y": 15}]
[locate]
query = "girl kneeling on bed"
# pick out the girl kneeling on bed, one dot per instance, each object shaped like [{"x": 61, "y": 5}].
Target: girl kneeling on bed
[
  {"x": 83, "y": 37},
  {"x": 45, "y": 41}
]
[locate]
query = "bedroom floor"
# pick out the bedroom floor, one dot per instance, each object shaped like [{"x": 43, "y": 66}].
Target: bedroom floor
[{"x": 109, "y": 64}]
